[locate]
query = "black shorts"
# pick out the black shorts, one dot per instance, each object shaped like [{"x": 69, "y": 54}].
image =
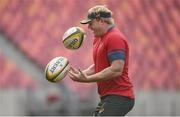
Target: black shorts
[{"x": 114, "y": 105}]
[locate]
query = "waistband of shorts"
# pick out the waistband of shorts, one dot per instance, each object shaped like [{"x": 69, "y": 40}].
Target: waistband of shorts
[{"x": 103, "y": 97}]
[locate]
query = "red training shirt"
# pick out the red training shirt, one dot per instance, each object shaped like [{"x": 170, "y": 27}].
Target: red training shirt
[{"x": 112, "y": 46}]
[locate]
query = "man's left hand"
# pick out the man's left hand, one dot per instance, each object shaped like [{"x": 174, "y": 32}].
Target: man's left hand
[{"x": 77, "y": 75}]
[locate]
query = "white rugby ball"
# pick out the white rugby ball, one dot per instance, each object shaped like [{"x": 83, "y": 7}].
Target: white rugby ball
[
  {"x": 73, "y": 38},
  {"x": 57, "y": 69}
]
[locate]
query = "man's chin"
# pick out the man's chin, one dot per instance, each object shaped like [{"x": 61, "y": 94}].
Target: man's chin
[{"x": 98, "y": 35}]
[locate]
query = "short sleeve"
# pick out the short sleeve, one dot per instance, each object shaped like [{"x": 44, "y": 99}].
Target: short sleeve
[{"x": 116, "y": 48}]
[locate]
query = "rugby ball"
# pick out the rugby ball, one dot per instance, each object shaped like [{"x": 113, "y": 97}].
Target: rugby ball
[
  {"x": 73, "y": 38},
  {"x": 57, "y": 69}
]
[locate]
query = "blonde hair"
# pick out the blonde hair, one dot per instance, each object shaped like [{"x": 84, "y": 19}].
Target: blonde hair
[{"x": 102, "y": 8}]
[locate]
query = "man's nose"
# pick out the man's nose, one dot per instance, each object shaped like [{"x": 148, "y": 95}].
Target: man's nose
[{"x": 90, "y": 26}]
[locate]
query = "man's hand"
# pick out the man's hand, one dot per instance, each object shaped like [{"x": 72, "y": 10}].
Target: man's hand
[{"x": 77, "y": 75}]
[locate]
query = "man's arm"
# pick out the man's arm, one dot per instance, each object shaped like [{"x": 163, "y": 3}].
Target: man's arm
[
  {"x": 108, "y": 73},
  {"x": 90, "y": 70}
]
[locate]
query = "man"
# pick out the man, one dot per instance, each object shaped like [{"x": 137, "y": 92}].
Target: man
[{"x": 110, "y": 68}]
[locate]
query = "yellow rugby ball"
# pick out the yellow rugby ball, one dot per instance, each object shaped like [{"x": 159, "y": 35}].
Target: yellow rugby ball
[
  {"x": 73, "y": 38},
  {"x": 57, "y": 69}
]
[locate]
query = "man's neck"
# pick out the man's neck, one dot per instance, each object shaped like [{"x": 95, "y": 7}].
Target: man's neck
[
  {"x": 109, "y": 27},
  {"x": 106, "y": 29}
]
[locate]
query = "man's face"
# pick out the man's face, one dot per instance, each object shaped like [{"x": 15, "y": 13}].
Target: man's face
[{"x": 96, "y": 26}]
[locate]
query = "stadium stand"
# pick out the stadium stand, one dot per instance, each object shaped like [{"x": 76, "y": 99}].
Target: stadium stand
[
  {"x": 12, "y": 77},
  {"x": 152, "y": 27}
]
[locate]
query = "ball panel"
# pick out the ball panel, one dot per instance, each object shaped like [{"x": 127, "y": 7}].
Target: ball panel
[
  {"x": 81, "y": 39},
  {"x": 73, "y": 42},
  {"x": 56, "y": 66},
  {"x": 82, "y": 36},
  {"x": 62, "y": 74},
  {"x": 51, "y": 76},
  {"x": 73, "y": 38},
  {"x": 55, "y": 69},
  {"x": 69, "y": 32}
]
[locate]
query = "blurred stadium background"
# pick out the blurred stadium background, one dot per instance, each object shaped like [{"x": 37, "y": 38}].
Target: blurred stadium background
[{"x": 30, "y": 36}]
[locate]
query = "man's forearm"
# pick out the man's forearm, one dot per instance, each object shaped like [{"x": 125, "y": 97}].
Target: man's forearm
[
  {"x": 108, "y": 73},
  {"x": 90, "y": 70}
]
